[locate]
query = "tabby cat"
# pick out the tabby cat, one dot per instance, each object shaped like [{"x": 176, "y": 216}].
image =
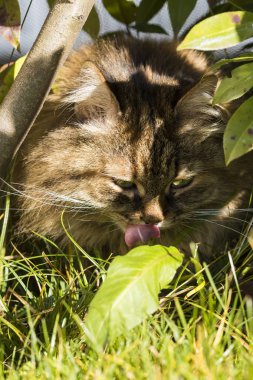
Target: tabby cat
[{"x": 128, "y": 147}]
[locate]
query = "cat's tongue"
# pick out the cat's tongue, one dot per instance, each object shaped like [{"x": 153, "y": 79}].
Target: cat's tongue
[{"x": 140, "y": 233}]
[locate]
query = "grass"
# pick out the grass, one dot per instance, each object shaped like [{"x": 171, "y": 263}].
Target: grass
[{"x": 202, "y": 330}]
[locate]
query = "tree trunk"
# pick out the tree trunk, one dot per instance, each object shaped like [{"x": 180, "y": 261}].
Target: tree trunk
[{"x": 25, "y": 98}]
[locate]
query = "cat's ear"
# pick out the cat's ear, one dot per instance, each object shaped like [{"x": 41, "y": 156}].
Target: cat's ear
[
  {"x": 199, "y": 95},
  {"x": 197, "y": 105},
  {"x": 93, "y": 97}
]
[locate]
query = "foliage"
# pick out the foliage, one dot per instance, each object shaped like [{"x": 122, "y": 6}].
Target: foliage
[
  {"x": 238, "y": 136},
  {"x": 140, "y": 17},
  {"x": 8, "y": 74},
  {"x": 148, "y": 9},
  {"x": 122, "y": 303},
  {"x": 123, "y": 11},
  {"x": 92, "y": 24},
  {"x": 10, "y": 21},
  {"x": 237, "y": 84},
  {"x": 219, "y": 31},
  {"x": 179, "y": 10}
]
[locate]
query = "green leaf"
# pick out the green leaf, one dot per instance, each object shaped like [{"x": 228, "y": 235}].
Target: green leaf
[
  {"x": 150, "y": 28},
  {"x": 219, "y": 32},
  {"x": 122, "y": 10},
  {"x": 179, "y": 10},
  {"x": 241, "y": 58},
  {"x": 10, "y": 21},
  {"x": 241, "y": 81},
  {"x": 92, "y": 25},
  {"x": 238, "y": 136},
  {"x": 147, "y": 9},
  {"x": 7, "y": 75},
  {"x": 223, "y": 7},
  {"x": 245, "y": 5},
  {"x": 130, "y": 291},
  {"x": 18, "y": 64},
  {"x": 50, "y": 3}
]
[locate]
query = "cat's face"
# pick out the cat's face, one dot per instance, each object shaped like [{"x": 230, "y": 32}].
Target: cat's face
[
  {"x": 126, "y": 169},
  {"x": 137, "y": 151}
]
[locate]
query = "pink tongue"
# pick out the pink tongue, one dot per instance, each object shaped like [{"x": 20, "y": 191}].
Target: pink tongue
[{"x": 140, "y": 233}]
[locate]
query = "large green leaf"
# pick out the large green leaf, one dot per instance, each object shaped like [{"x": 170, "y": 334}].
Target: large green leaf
[
  {"x": 7, "y": 75},
  {"x": 122, "y": 10},
  {"x": 92, "y": 24},
  {"x": 147, "y": 9},
  {"x": 130, "y": 291},
  {"x": 238, "y": 84},
  {"x": 219, "y": 32},
  {"x": 238, "y": 136},
  {"x": 179, "y": 10},
  {"x": 10, "y": 21}
]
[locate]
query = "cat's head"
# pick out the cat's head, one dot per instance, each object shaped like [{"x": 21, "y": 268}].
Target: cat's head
[{"x": 140, "y": 147}]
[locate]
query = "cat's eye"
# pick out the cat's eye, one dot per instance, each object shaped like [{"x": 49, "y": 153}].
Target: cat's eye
[
  {"x": 125, "y": 185},
  {"x": 181, "y": 183}
]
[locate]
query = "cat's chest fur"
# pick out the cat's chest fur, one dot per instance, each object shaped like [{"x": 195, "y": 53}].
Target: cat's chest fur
[{"x": 128, "y": 137}]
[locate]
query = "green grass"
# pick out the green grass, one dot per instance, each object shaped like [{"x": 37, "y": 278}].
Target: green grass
[{"x": 203, "y": 329}]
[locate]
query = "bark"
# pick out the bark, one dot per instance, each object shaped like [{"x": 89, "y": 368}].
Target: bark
[{"x": 27, "y": 94}]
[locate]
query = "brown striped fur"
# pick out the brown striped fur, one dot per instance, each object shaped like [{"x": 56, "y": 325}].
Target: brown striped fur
[{"x": 137, "y": 111}]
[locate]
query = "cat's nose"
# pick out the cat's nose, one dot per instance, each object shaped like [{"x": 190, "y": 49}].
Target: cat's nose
[
  {"x": 152, "y": 212},
  {"x": 152, "y": 219}
]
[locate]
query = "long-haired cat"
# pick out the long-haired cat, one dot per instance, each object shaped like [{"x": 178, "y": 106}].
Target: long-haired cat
[{"x": 128, "y": 147}]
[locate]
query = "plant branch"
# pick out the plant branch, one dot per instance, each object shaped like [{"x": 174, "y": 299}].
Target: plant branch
[{"x": 25, "y": 98}]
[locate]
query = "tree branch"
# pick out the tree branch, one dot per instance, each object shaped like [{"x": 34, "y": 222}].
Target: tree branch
[{"x": 28, "y": 92}]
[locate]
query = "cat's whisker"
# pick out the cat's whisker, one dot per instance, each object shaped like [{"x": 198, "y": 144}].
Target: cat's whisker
[
  {"x": 50, "y": 195},
  {"x": 7, "y": 193},
  {"x": 189, "y": 226},
  {"x": 228, "y": 217},
  {"x": 92, "y": 220},
  {"x": 207, "y": 212},
  {"x": 56, "y": 201},
  {"x": 244, "y": 221},
  {"x": 114, "y": 220},
  {"x": 217, "y": 211},
  {"x": 114, "y": 230},
  {"x": 220, "y": 225}
]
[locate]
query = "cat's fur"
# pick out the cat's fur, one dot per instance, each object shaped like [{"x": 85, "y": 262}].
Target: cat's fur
[{"x": 137, "y": 111}]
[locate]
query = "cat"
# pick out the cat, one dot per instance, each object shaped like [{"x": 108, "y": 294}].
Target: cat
[{"x": 128, "y": 147}]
